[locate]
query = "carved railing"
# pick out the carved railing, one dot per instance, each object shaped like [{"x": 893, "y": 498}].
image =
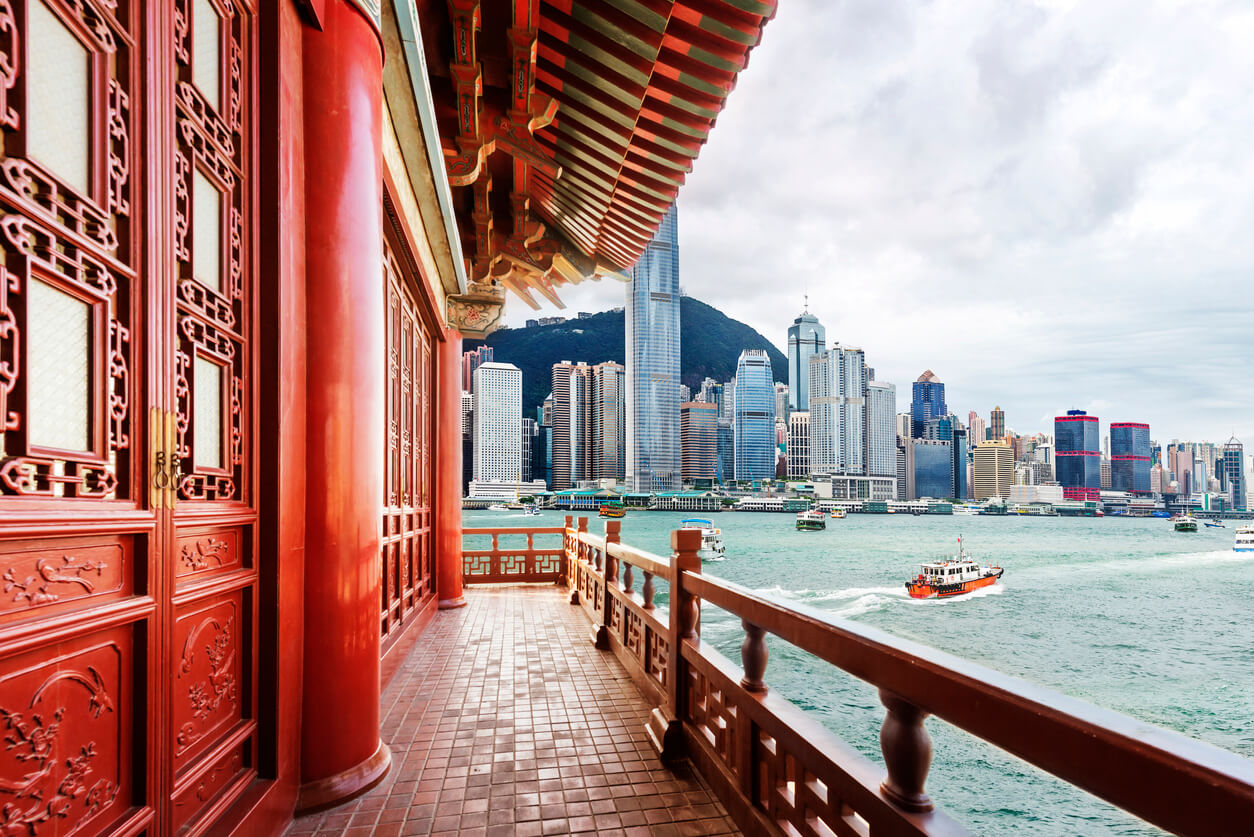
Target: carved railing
[
  {"x": 778, "y": 770},
  {"x": 496, "y": 565}
]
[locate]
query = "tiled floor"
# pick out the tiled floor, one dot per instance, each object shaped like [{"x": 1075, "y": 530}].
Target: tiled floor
[{"x": 506, "y": 721}]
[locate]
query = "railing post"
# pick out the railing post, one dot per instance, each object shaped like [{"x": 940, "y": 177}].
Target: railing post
[
  {"x": 665, "y": 728},
  {"x": 647, "y": 591},
  {"x": 601, "y": 632},
  {"x": 569, "y": 558},
  {"x": 753, "y": 656},
  {"x": 907, "y": 751}
]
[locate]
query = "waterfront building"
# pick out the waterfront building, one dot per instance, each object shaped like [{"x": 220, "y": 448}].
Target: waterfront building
[
  {"x": 1076, "y": 455},
  {"x": 863, "y": 487},
  {"x": 927, "y": 402},
  {"x": 905, "y": 468},
  {"x": 754, "y": 421},
  {"x": 961, "y": 454},
  {"x": 608, "y": 422},
  {"x": 978, "y": 427},
  {"x": 933, "y": 469},
  {"x": 799, "y": 445},
  {"x": 782, "y": 407},
  {"x": 1130, "y": 457},
  {"x": 497, "y": 422},
  {"x": 504, "y": 489},
  {"x": 698, "y": 432},
  {"x": 994, "y": 470},
  {"x": 725, "y": 471},
  {"x": 881, "y": 438},
  {"x": 1232, "y": 470},
  {"x": 471, "y": 361},
  {"x": 572, "y": 455},
  {"x": 838, "y": 411},
  {"x": 806, "y": 337},
  {"x": 997, "y": 424},
  {"x": 652, "y": 348}
]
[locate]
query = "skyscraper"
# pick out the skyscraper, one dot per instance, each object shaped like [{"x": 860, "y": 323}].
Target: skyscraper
[
  {"x": 994, "y": 469},
  {"x": 806, "y": 337},
  {"x": 1232, "y": 469},
  {"x": 782, "y": 408},
  {"x": 1076, "y": 456},
  {"x": 933, "y": 468},
  {"x": 799, "y": 445},
  {"x": 471, "y": 361},
  {"x": 652, "y": 336},
  {"x": 838, "y": 411},
  {"x": 608, "y": 422},
  {"x": 498, "y": 422},
  {"x": 698, "y": 430},
  {"x": 979, "y": 428},
  {"x": 927, "y": 402},
  {"x": 881, "y": 435},
  {"x": 997, "y": 424},
  {"x": 1130, "y": 457},
  {"x": 725, "y": 468},
  {"x": 572, "y": 456},
  {"x": 754, "y": 423}
]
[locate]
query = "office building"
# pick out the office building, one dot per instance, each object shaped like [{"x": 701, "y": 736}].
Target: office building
[
  {"x": 698, "y": 432},
  {"x": 927, "y": 402},
  {"x": 652, "y": 337},
  {"x": 1130, "y": 457},
  {"x": 468, "y": 439},
  {"x": 1076, "y": 455},
  {"x": 497, "y": 422},
  {"x": 754, "y": 422},
  {"x": 1232, "y": 473},
  {"x": 997, "y": 424},
  {"x": 903, "y": 426},
  {"x": 838, "y": 411},
  {"x": 978, "y": 428},
  {"x": 471, "y": 361},
  {"x": 960, "y": 453},
  {"x": 528, "y": 435},
  {"x": 572, "y": 456},
  {"x": 806, "y": 337},
  {"x": 729, "y": 400},
  {"x": 881, "y": 435},
  {"x": 782, "y": 407},
  {"x": 725, "y": 469},
  {"x": 993, "y": 470},
  {"x": 933, "y": 468},
  {"x": 905, "y": 468},
  {"x": 799, "y": 445},
  {"x": 712, "y": 393},
  {"x": 608, "y": 422},
  {"x": 938, "y": 429}
]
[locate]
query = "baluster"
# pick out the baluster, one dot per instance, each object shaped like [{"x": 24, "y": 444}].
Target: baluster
[
  {"x": 570, "y": 560},
  {"x": 753, "y": 655},
  {"x": 647, "y": 591},
  {"x": 531, "y": 555},
  {"x": 907, "y": 751},
  {"x": 627, "y": 578},
  {"x": 495, "y": 560},
  {"x": 612, "y": 529},
  {"x": 665, "y": 728}
]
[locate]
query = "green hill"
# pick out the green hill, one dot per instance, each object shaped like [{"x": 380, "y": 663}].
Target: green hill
[{"x": 710, "y": 343}]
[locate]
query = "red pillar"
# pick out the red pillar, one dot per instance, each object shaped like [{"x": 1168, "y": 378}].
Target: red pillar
[
  {"x": 448, "y": 472},
  {"x": 341, "y": 752}
]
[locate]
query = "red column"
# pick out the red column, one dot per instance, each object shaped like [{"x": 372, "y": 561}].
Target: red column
[
  {"x": 448, "y": 472},
  {"x": 341, "y": 752}
]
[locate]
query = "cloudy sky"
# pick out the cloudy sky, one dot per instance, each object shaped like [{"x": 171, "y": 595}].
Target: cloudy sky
[{"x": 1049, "y": 203}]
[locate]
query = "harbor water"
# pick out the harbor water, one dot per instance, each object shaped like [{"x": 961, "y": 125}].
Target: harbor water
[{"x": 1123, "y": 613}]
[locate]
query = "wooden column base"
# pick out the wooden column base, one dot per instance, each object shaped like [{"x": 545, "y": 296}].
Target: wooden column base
[
  {"x": 343, "y": 786},
  {"x": 666, "y": 734},
  {"x": 600, "y": 637},
  {"x": 452, "y": 604}
]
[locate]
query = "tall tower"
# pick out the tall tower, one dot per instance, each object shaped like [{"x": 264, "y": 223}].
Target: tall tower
[
  {"x": 497, "y": 417},
  {"x": 1130, "y": 457},
  {"x": 881, "y": 435},
  {"x": 1078, "y": 461},
  {"x": 838, "y": 389},
  {"x": 608, "y": 421},
  {"x": 806, "y": 337},
  {"x": 997, "y": 422},
  {"x": 572, "y": 454},
  {"x": 1232, "y": 472},
  {"x": 652, "y": 332},
  {"x": 927, "y": 402},
  {"x": 754, "y": 423}
]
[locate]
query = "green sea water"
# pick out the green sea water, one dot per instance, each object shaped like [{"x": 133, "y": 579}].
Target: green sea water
[{"x": 1123, "y": 613}]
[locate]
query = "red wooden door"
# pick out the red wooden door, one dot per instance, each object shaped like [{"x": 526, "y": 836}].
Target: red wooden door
[{"x": 128, "y": 617}]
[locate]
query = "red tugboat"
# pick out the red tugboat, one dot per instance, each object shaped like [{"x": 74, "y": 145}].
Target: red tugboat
[{"x": 951, "y": 577}]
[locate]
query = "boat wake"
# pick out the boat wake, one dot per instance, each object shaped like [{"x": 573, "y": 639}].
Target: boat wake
[
  {"x": 855, "y": 601},
  {"x": 1148, "y": 564}
]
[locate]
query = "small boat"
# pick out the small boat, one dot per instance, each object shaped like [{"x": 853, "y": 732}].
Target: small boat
[
  {"x": 961, "y": 509},
  {"x": 531, "y": 511},
  {"x": 1245, "y": 539},
  {"x": 1185, "y": 523},
  {"x": 810, "y": 521},
  {"x": 951, "y": 577},
  {"x": 1214, "y": 523},
  {"x": 839, "y": 514},
  {"x": 711, "y": 538},
  {"x": 614, "y": 510},
  {"x": 515, "y": 506},
  {"x": 498, "y": 507}
]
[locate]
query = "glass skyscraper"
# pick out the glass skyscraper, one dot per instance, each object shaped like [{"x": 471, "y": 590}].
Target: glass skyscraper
[
  {"x": 806, "y": 337},
  {"x": 1077, "y": 456},
  {"x": 652, "y": 332},
  {"x": 1130, "y": 457},
  {"x": 933, "y": 468},
  {"x": 927, "y": 402},
  {"x": 1232, "y": 472},
  {"x": 754, "y": 423},
  {"x": 838, "y": 419}
]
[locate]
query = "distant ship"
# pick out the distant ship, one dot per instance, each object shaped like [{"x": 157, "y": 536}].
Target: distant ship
[
  {"x": 1185, "y": 523},
  {"x": 839, "y": 514},
  {"x": 951, "y": 577},
  {"x": 811, "y": 521},
  {"x": 614, "y": 510},
  {"x": 711, "y": 537}
]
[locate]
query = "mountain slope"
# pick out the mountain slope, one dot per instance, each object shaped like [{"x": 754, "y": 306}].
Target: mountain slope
[{"x": 710, "y": 343}]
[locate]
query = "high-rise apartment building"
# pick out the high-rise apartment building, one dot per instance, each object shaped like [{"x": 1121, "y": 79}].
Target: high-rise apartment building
[
  {"x": 838, "y": 411},
  {"x": 927, "y": 402},
  {"x": 652, "y": 337},
  {"x": 698, "y": 432},
  {"x": 1130, "y": 457},
  {"x": 754, "y": 422},
  {"x": 497, "y": 389},
  {"x": 799, "y": 445},
  {"x": 978, "y": 428},
  {"x": 993, "y": 469},
  {"x": 1076, "y": 455},
  {"x": 608, "y": 421},
  {"x": 997, "y": 424},
  {"x": 471, "y": 361},
  {"x": 1232, "y": 471},
  {"x": 572, "y": 457},
  {"x": 806, "y": 337},
  {"x": 881, "y": 435}
]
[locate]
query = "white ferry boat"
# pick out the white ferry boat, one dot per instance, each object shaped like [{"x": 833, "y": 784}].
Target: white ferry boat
[
  {"x": 839, "y": 514},
  {"x": 1245, "y": 539},
  {"x": 1185, "y": 523},
  {"x": 951, "y": 577},
  {"x": 811, "y": 520},
  {"x": 711, "y": 538}
]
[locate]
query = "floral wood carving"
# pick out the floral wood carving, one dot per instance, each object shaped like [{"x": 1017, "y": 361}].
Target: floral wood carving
[
  {"x": 52, "y": 788},
  {"x": 198, "y": 555},
  {"x": 9, "y": 46},
  {"x": 34, "y": 589},
  {"x": 207, "y": 696}
]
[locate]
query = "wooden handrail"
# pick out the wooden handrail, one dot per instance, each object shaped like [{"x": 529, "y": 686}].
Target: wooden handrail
[{"x": 513, "y": 530}]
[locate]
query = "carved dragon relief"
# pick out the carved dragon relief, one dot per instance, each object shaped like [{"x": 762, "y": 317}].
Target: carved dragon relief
[
  {"x": 207, "y": 696},
  {"x": 54, "y": 787},
  {"x": 34, "y": 589}
]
